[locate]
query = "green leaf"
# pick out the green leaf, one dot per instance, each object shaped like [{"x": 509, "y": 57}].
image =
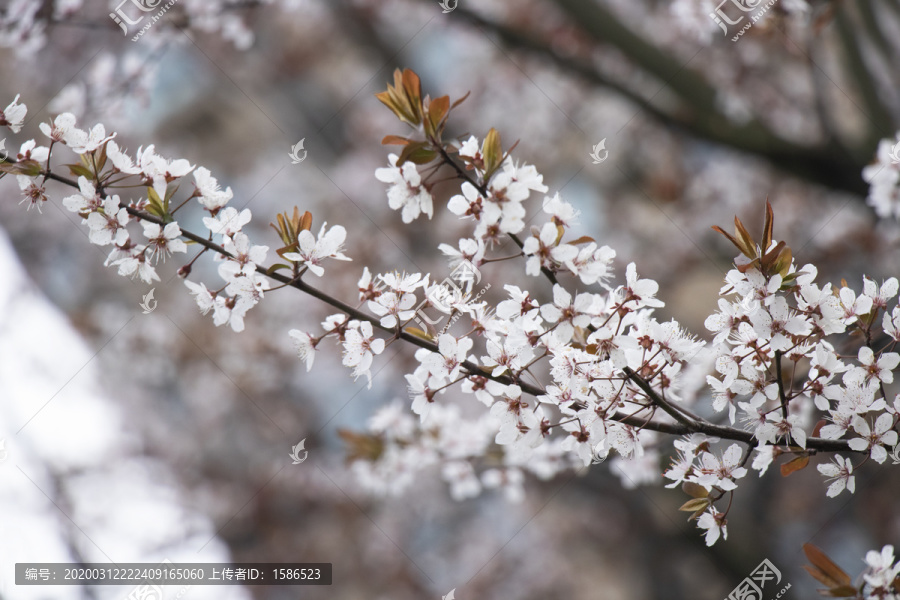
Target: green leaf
[
  {"x": 100, "y": 157},
  {"x": 492, "y": 151},
  {"x": 695, "y": 504},
  {"x": 419, "y": 333},
  {"x": 155, "y": 205},
  {"x": 694, "y": 489},
  {"x": 30, "y": 168},
  {"x": 80, "y": 171},
  {"x": 418, "y": 153},
  {"x": 277, "y": 267}
]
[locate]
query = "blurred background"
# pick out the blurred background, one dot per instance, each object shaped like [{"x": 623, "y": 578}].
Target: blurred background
[{"x": 134, "y": 437}]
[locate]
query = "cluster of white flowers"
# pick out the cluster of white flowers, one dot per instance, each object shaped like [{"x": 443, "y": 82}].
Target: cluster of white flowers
[
  {"x": 883, "y": 177},
  {"x": 244, "y": 285},
  {"x": 104, "y": 215},
  {"x": 501, "y": 211},
  {"x": 765, "y": 320},
  {"x": 614, "y": 372},
  {"x": 760, "y": 325},
  {"x": 591, "y": 343},
  {"x": 104, "y": 163},
  {"x": 357, "y": 338},
  {"x": 452, "y": 445},
  {"x": 586, "y": 341}
]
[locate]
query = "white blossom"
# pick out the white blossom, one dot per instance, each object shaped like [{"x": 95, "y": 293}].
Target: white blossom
[
  {"x": 874, "y": 440},
  {"x": 61, "y": 127},
  {"x": 209, "y": 193},
  {"x": 120, "y": 159},
  {"x": 314, "y": 250},
  {"x": 13, "y": 116},
  {"x": 305, "y": 345},
  {"x": 715, "y": 524},
  {"x": 163, "y": 241},
  {"x": 840, "y": 472},
  {"x": 360, "y": 348},
  {"x": 543, "y": 251},
  {"x": 407, "y": 193},
  {"x": 227, "y": 221}
]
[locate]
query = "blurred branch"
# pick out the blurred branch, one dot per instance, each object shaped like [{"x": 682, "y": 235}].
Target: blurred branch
[
  {"x": 894, "y": 6},
  {"x": 878, "y": 118},
  {"x": 522, "y": 41},
  {"x": 817, "y": 80},
  {"x": 364, "y": 30},
  {"x": 829, "y": 164},
  {"x": 867, "y": 12},
  {"x": 603, "y": 26}
]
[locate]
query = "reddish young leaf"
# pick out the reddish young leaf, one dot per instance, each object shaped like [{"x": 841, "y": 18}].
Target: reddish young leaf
[
  {"x": 794, "y": 465},
  {"x": 394, "y": 140},
  {"x": 817, "y": 430},
  {"x": 824, "y": 569},
  {"x": 305, "y": 221},
  {"x": 585, "y": 239},
  {"x": 768, "y": 227},
  {"x": 437, "y": 113},
  {"x": 748, "y": 247},
  {"x": 460, "y": 101}
]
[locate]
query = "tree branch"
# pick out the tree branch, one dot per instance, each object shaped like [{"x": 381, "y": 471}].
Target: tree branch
[
  {"x": 781, "y": 395},
  {"x": 683, "y": 426}
]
